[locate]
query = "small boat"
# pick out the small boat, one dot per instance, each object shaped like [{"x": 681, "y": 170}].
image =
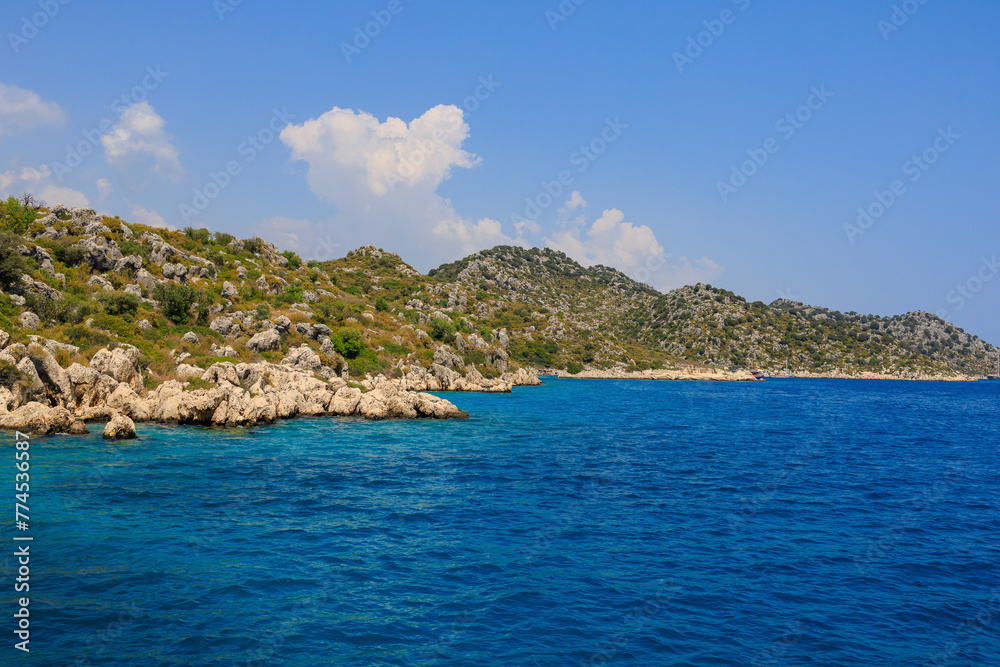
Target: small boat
[{"x": 548, "y": 373}]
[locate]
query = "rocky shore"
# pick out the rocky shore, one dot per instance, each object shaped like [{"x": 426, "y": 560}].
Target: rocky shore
[
  {"x": 111, "y": 389},
  {"x": 702, "y": 374}
]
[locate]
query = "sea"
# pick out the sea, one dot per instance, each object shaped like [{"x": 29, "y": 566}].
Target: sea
[{"x": 582, "y": 522}]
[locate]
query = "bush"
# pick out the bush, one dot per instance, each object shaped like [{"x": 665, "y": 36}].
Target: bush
[
  {"x": 69, "y": 254},
  {"x": 12, "y": 262},
  {"x": 112, "y": 323},
  {"x": 443, "y": 330},
  {"x": 381, "y": 305},
  {"x": 221, "y": 238},
  {"x": 201, "y": 235},
  {"x": 294, "y": 261},
  {"x": 574, "y": 367},
  {"x": 263, "y": 311},
  {"x": 52, "y": 310},
  {"x": 11, "y": 375},
  {"x": 85, "y": 338},
  {"x": 119, "y": 304},
  {"x": 254, "y": 246},
  {"x": 175, "y": 301},
  {"x": 348, "y": 342},
  {"x": 15, "y": 216}
]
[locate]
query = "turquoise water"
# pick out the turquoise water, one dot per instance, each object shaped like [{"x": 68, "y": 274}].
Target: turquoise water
[{"x": 789, "y": 522}]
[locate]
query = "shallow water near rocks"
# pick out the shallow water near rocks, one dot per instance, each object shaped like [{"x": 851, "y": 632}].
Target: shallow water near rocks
[{"x": 789, "y": 522}]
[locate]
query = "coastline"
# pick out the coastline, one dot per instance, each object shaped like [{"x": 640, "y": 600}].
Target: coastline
[{"x": 721, "y": 375}]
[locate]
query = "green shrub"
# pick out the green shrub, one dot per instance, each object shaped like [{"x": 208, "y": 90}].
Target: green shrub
[
  {"x": 112, "y": 323},
  {"x": 11, "y": 375},
  {"x": 12, "y": 262},
  {"x": 348, "y": 342},
  {"x": 60, "y": 311},
  {"x": 221, "y": 238},
  {"x": 254, "y": 246},
  {"x": 574, "y": 367},
  {"x": 175, "y": 301},
  {"x": 84, "y": 338},
  {"x": 119, "y": 304},
  {"x": 69, "y": 254},
  {"x": 381, "y": 305},
  {"x": 16, "y": 217},
  {"x": 443, "y": 330},
  {"x": 263, "y": 311},
  {"x": 294, "y": 261}
]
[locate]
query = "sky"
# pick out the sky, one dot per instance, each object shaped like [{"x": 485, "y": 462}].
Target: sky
[{"x": 839, "y": 154}]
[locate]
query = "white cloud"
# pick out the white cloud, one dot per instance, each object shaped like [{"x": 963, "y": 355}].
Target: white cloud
[
  {"x": 386, "y": 155},
  {"x": 145, "y": 216},
  {"x": 57, "y": 194},
  {"x": 22, "y": 110},
  {"x": 141, "y": 132},
  {"x": 384, "y": 177},
  {"x": 575, "y": 201},
  {"x": 36, "y": 180},
  {"x": 103, "y": 187},
  {"x": 632, "y": 249}
]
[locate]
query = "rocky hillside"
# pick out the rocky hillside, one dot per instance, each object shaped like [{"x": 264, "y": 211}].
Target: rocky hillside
[
  {"x": 221, "y": 321},
  {"x": 560, "y": 314}
]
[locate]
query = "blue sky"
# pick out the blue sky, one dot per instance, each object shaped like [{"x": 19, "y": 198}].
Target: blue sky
[{"x": 664, "y": 122}]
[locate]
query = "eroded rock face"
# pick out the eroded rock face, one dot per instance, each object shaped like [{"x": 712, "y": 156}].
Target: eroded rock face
[
  {"x": 303, "y": 358},
  {"x": 122, "y": 364}
]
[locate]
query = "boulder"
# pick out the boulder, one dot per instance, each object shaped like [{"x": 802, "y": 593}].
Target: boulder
[
  {"x": 102, "y": 254},
  {"x": 129, "y": 265},
  {"x": 146, "y": 279},
  {"x": 444, "y": 356},
  {"x": 28, "y": 320},
  {"x": 229, "y": 290},
  {"x": 302, "y": 358},
  {"x": 119, "y": 428},
  {"x": 265, "y": 341},
  {"x": 345, "y": 401},
  {"x": 191, "y": 337},
  {"x": 226, "y": 326},
  {"x": 174, "y": 271}
]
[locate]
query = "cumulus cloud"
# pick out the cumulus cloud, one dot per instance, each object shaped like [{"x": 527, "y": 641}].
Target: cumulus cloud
[
  {"x": 145, "y": 216},
  {"x": 384, "y": 156},
  {"x": 37, "y": 181},
  {"x": 384, "y": 176},
  {"x": 632, "y": 249},
  {"x": 141, "y": 133},
  {"x": 22, "y": 110}
]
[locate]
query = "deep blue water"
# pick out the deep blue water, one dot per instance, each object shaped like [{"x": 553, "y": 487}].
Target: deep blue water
[{"x": 789, "y": 522}]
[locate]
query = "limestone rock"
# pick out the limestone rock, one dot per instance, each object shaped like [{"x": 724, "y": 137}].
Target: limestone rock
[
  {"x": 191, "y": 337},
  {"x": 229, "y": 290},
  {"x": 265, "y": 341},
  {"x": 28, "y": 320},
  {"x": 119, "y": 428},
  {"x": 38, "y": 419}
]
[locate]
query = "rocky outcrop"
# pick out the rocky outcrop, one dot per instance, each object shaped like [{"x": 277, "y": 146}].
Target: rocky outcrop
[{"x": 38, "y": 419}]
